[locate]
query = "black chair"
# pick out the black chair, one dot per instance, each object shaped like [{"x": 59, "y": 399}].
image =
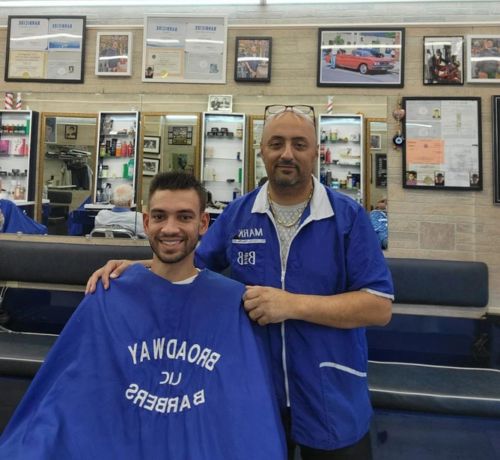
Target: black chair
[{"x": 60, "y": 201}]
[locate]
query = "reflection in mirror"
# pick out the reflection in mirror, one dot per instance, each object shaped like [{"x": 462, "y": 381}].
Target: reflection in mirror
[
  {"x": 66, "y": 172},
  {"x": 177, "y": 136},
  {"x": 377, "y": 203}
]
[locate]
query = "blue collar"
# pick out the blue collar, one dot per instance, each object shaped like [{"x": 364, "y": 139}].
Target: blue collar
[{"x": 118, "y": 209}]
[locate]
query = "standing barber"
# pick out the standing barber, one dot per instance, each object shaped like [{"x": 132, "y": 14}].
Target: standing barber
[{"x": 316, "y": 276}]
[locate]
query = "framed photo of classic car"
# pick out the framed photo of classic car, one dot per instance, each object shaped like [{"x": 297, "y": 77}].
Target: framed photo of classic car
[
  {"x": 363, "y": 57},
  {"x": 443, "y": 60},
  {"x": 483, "y": 58}
]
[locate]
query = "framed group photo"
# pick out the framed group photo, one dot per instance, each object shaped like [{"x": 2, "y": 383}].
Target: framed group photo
[
  {"x": 114, "y": 54},
  {"x": 152, "y": 144},
  {"x": 47, "y": 49},
  {"x": 443, "y": 143},
  {"x": 483, "y": 58},
  {"x": 253, "y": 59},
  {"x": 220, "y": 103},
  {"x": 360, "y": 57},
  {"x": 150, "y": 166},
  {"x": 443, "y": 60}
]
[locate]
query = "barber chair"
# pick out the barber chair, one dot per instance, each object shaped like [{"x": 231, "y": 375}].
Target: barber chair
[{"x": 60, "y": 201}]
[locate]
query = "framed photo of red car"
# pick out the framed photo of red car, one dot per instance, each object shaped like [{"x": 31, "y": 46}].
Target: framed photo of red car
[
  {"x": 483, "y": 58},
  {"x": 443, "y": 60},
  {"x": 361, "y": 57}
]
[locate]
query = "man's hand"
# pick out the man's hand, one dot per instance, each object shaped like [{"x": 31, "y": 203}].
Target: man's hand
[
  {"x": 267, "y": 305},
  {"x": 112, "y": 269}
]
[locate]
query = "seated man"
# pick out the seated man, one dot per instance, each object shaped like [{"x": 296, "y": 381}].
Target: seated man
[
  {"x": 15, "y": 220},
  {"x": 121, "y": 214},
  {"x": 378, "y": 218},
  {"x": 165, "y": 364}
]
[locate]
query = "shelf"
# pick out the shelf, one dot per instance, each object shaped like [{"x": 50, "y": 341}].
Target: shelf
[
  {"x": 117, "y": 134},
  {"x": 222, "y": 158},
  {"x": 115, "y": 157},
  {"x": 114, "y": 178}
]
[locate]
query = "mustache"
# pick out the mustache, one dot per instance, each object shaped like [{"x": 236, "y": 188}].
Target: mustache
[{"x": 286, "y": 163}]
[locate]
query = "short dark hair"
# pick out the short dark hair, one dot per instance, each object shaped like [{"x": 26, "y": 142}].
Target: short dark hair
[{"x": 178, "y": 181}]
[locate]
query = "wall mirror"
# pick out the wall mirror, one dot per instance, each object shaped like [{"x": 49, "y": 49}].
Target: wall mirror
[
  {"x": 169, "y": 142},
  {"x": 376, "y": 175},
  {"x": 66, "y": 167}
]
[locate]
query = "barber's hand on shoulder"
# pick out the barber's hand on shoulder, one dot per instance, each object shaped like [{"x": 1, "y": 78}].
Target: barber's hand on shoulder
[
  {"x": 112, "y": 269},
  {"x": 267, "y": 305}
]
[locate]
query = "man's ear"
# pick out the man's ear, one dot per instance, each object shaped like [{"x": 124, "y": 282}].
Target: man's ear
[
  {"x": 204, "y": 223},
  {"x": 145, "y": 222}
]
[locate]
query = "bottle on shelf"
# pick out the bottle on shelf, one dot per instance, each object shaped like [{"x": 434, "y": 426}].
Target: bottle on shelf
[
  {"x": 349, "y": 180},
  {"x": 131, "y": 170},
  {"x": 328, "y": 156}
]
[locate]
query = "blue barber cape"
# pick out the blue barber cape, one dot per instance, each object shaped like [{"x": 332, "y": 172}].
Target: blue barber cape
[{"x": 153, "y": 370}]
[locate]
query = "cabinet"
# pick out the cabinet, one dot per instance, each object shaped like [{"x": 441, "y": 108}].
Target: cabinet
[
  {"x": 117, "y": 153},
  {"x": 18, "y": 142},
  {"x": 223, "y": 155},
  {"x": 341, "y": 154},
  {"x": 258, "y": 167}
]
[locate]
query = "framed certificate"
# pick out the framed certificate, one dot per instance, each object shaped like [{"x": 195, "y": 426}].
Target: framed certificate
[
  {"x": 442, "y": 150},
  {"x": 45, "y": 49},
  {"x": 184, "y": 49}
]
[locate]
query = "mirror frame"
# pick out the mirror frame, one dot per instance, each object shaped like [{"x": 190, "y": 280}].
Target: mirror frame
[
  {"x": 369, "y": 160},
  {"x": 41, "y": 153}
]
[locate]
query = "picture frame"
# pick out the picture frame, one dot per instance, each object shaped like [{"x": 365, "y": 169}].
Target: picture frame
[
  {"x": 361, "y": 57},
  {"x": 113, "y": 54},
  {"x": 50, "y": 130},
  {"x": 151, "y": 144},
  {"x": 70, "y": 132},
  {"x": 220, "y": 103},
  {"x": 150, "y": 166},
  {"x": 496, "y": 149},
  {"x": 184, "y": 49},
  {"x": 480, "y": 69},
  {"x": 41, "y": 49},
  {"x": 375, "y": 141},
  {"x": 438, "y": 153},
  {"x": 253, "y": 59},
  {"x": 180, "y": 135},
  {"x": 380, "y": 170},
  {"x": 443, "y": 60}
]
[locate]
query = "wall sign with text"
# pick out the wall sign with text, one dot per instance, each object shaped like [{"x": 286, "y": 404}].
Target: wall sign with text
[{"x": 45, "y": 49}]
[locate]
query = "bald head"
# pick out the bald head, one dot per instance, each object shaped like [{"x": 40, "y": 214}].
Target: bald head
[
  {"x": 289, "y": 151},
  {"x": 123, "y": 195}
]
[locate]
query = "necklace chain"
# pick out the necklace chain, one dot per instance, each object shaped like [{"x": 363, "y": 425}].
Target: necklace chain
[{"x": 298, "y": 211}]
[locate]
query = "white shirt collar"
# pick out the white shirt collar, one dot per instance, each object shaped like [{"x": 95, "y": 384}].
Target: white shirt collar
[{"x": 321, "y": 207}]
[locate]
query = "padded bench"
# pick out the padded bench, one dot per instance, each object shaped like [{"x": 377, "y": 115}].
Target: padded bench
[{"x": 439, "y": 288}]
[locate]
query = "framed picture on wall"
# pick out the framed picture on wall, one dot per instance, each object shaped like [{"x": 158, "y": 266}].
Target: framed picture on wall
[
  {"x": 443, "y": 143},
  {"x": 483, "y": 56},
  {"x": 113, "y": 54},
  {"x": 70, "y": 132},
  {"x": 150, "y": 166},
  {"x": 375, "y": 141},
  {"x": 180, "y": 135},
  {"x": 496, "y": 149},
  {"x": 443, "y": 61},
  {"x": 361, "y": 57},
  {"x": 47, "y": 49},
  {"x": 151, "y": 144},
  {"x": 184, "y": 49},
  {"x": 253, "y": 59},
  {"x": 220, "y": 103}
]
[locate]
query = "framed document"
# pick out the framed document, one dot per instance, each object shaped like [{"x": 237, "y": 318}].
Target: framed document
[
  {"x": 443, "y": 143},
  {"x": 496, "y": 148},
  {"x": 184, "y": 49},
  {"x": 45, "y": 49}
]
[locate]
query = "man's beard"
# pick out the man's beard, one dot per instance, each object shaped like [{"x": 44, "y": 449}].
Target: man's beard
[{"x": 173, "y": 258}]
